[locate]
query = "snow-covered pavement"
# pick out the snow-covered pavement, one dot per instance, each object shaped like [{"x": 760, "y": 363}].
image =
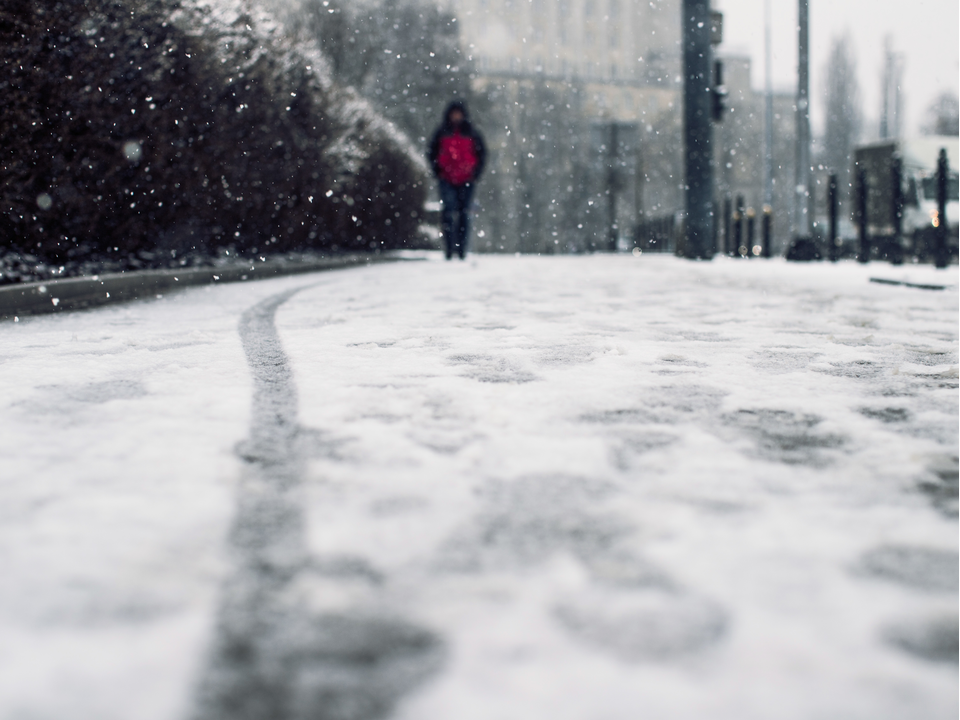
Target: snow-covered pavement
[{"x": 576, "y": 488}]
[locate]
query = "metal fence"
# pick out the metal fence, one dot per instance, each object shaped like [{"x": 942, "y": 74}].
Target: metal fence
[{"x": 657, "y": 234}]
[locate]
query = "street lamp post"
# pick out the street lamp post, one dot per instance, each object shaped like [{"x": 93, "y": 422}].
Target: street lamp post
[
  {"x": 613, "y": 186},
  {"x": 803, "y": 218},
  {"x": 697, "y": 128},
  {"x": 767, "y": 117}
]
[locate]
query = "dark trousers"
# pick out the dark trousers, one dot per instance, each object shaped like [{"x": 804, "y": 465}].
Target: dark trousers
[{"x": 455, "y": 216}]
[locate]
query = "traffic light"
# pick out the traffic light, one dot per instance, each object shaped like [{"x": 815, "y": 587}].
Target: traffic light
[{"x": 719, "y": 92}]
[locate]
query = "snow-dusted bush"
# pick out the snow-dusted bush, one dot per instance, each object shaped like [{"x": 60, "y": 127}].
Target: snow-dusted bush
[{"x": 155, "y": 124}]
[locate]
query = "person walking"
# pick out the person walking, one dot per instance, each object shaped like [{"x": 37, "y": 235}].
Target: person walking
[{"x": 457, "y": 155}]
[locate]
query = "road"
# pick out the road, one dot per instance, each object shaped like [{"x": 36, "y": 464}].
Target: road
[{"x": 516, "y": 487}]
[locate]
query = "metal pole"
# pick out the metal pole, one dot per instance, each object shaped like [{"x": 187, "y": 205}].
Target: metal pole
[
  {"x": 941, "y": 256},
  {"x": 738, "y": 247},
  {"x": 802, "y": 215},
  {"x": 834, "y": 249},
  {"x": 767, "y": 230},
  {"x": 640, "y": 181},
  {"x": 715, "y": 230},
  {"x": 864, "y": 254},
  {"x": 768, "y": 111},
  {"x": 896, "y": 209},
  {"x": 728, "y": 245},
  {"x": 612, "y": 186},
  {"x": 697, "y": 128},
  {"x": 751, "y": 232}
]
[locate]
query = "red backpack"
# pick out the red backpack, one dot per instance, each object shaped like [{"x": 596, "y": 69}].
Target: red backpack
[{"x": 457, "y": 158}]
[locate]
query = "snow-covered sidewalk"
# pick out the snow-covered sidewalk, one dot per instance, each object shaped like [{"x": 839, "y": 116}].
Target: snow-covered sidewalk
[{"x": 577, "y": 488}]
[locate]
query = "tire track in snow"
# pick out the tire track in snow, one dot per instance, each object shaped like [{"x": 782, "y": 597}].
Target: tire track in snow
[{"x": 272, "y": 657}]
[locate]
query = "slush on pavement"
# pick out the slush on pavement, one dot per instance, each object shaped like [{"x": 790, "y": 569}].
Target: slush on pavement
[{"x": 576, "y": 488}]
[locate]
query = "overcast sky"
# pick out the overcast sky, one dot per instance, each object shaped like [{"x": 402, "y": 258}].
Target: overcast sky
[{"x": 925, "y": 32}]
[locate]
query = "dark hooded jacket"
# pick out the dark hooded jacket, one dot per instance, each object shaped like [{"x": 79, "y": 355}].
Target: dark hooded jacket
[{"x": 467, "y": 130}]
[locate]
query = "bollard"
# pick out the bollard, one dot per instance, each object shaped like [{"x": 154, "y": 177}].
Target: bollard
[
  {"x": 613, "y": 182},
  {"x": 895, "y": 252},
  {"x": 728, "y": 247},
  {"x": 715, "y": 215},
  {"x": 941, "y": 256},
  {"x": 863, "y": 255},
  {"x": 739, "y": 248},
  {"x": 752, "y": 249},
  {"x": 767, "y": 230},
  {"x": 834, "y": 249}
]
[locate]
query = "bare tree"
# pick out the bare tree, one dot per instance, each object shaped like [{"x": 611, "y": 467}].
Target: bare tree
[
  {"x": 843, "y": 107},
  {"x": 943, "y": 116}
]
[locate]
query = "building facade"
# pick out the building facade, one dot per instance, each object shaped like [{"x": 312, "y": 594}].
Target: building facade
[
  {"x": 739, "y": 152},
  {"x": 581, "y": 102}
]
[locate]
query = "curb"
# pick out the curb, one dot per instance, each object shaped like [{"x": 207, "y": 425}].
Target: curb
[
  {"x": 920, "y": 286},
  {"x": 52, "y": 296}
]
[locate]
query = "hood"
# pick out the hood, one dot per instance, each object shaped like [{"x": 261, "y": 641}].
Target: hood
[{"x": 456, "y": 105}]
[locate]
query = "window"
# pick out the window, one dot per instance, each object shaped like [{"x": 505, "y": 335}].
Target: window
[
  {"x": 589, "y": 24},
  {"x": 563, "y": 20},
  {"x": 538, "y": 20},
  {"x": 613, "y": 23}
]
